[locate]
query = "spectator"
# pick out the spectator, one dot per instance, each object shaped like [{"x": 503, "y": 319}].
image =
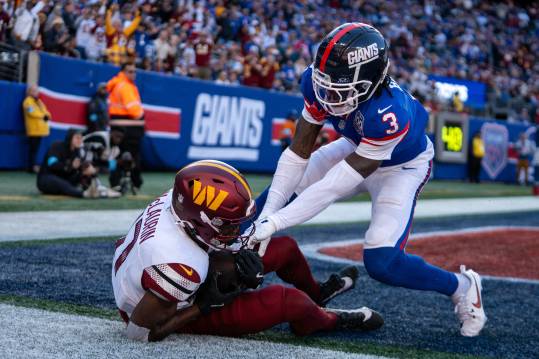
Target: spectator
[
  {"x": 98, "y": 111},
  {"x": 203, "y": 47},
  {"x": 69, "y": 17},
  {"x": 26, "y": 26},
  {"x": 85, "y": 25},
  {"x": 456, "y": 102},
  {"x": 126, "y": 114},
  {"x": 118, "y": 36},
  {"x": 525, "y": 150},
  {"x": 64, "y": 172},
  {"x": 96, "y": 47},
  {"x": 4, "y": 20},
  {"x": 36, "y": 120},
  {"x": 269, "y": 68},
  {"x": 57, "y": 37},
  {"x": 288, "y": 130},
  {"x": 476, "y": 154},
  {"x": 472, "y": 39},
  {"x": 163, "y": 50}
]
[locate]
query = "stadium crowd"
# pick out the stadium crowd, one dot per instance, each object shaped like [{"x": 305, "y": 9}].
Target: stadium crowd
[{"x": 269, "y": 43}]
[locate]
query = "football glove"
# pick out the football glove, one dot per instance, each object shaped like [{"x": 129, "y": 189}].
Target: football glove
[
  {"x": 263, "y": 230},
  {"x": 210, "y": 297},
  {"x": 250, "y": 268}
]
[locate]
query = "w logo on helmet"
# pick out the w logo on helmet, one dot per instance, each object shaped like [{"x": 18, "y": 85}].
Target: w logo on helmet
[{"x": 201, "y": 194}]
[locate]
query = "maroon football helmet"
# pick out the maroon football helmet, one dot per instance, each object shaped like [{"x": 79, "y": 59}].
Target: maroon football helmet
[{"x": 210, "y": 201}]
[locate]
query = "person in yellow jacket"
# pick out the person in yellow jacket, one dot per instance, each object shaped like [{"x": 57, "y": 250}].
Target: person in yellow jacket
[
  {"x": 127, "y": 115},
  {"x": 36, "y": 121},
  {"x": 476, "y": 154},
  {"x": 118, "y": 36}
]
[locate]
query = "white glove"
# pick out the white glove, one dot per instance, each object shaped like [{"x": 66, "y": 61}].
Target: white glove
[{"x": 263, "y": 230}]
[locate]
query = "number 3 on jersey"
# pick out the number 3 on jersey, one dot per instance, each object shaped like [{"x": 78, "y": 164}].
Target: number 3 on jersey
[{"x": 390, "y": 116}]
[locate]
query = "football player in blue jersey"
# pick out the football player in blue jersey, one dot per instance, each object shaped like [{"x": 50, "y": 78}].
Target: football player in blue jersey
[{"x": 383, "y": 150}]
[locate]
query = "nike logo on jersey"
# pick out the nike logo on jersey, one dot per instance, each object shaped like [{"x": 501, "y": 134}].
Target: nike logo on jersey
[
  {"x": 408, "y": 168},
  {"x": 478, "y": 303},
  {"x": 187, "y": 270},
  {"x": 384, "y": 109}
]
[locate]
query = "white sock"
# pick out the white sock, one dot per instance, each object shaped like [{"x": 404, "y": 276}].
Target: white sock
[{"x": 462, "y": 288}]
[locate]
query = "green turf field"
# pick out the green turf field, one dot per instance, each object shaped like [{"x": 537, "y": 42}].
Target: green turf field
[{"x": 18, "y": 192}]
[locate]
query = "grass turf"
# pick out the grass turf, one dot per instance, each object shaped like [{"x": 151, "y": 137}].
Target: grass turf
[
  {"x": 18, "y": 192},
  {"x": 269, "y": 335}
]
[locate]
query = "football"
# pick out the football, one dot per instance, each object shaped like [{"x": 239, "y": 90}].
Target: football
[{"x": 223, "y": 263}]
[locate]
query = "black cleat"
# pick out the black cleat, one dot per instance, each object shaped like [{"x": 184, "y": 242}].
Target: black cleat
[
  {"x": 338, "y": 283},
  {"x": 362, "y": 319}
]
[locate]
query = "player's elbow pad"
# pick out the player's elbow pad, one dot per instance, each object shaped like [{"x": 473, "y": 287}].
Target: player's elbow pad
[{"x": 134, "y": 332}]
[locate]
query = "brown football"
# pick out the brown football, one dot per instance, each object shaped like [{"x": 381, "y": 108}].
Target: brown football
[{"x": 223, "y": 263}]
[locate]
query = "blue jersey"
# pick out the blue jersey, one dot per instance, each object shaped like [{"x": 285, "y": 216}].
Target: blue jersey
[{"x": 389, "y": 127}]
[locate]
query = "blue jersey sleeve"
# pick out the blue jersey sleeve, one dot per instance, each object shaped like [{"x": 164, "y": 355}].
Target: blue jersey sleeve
[
  {"x": 387, "y": 124},
  {"x": 312, "y": 110}
]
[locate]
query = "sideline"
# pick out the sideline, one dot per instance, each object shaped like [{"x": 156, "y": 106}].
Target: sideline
[{"x": 42, "y": 225}]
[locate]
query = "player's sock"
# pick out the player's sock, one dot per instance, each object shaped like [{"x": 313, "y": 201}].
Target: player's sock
[
  {"x": 395, "y": 267},
  {"x": 462, "y": 287},
  {"x": 284, "y": 257}
]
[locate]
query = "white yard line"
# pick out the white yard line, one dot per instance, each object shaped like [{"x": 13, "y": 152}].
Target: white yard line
[
  {"x": 35, "y": 333},
  {"x": 65, "y": 224}
]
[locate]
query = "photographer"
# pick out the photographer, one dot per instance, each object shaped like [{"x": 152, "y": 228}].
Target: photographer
[{"x": 64, "y": 172}]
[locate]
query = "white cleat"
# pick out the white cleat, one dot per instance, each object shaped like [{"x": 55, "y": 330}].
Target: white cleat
[{"x": 469, "y": 306}]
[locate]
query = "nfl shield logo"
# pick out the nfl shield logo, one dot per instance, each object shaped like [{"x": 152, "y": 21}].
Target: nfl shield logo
[
  {"x": 358, "y": 122},
  {"x": 496, "y": 140}
]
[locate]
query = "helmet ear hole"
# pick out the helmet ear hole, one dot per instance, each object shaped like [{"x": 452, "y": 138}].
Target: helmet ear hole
[{"x": 191, "y": 183}]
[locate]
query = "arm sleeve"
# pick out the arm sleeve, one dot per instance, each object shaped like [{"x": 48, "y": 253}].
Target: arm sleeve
[
  {"x": 339, "y": 182},
  {"x": 288, "y": 175},
  {"x": 173, "y": 282},
  {"x": 128, "y": 31},
  {"x": 109, "y": 30}
]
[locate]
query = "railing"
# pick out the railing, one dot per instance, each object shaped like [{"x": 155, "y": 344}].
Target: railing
[{"x": 12, "y": 63}]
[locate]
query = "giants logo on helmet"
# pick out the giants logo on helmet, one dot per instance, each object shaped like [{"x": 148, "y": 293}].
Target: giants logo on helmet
[
  {"x": 226, "y": 128},
  {"x": 362, "y": 54},
  {"x": 208, "y": 193}
]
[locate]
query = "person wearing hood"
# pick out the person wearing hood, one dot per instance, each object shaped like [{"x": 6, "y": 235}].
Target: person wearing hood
[
  {"x": 98, "y": 112},
  {"x": 127, "y": 115},
  {"x": 64, "y": 172}
]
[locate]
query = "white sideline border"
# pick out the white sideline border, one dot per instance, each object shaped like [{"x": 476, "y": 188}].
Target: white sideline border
[
  {"x": 43, "y": 225},
  {"x": 313, "y": 250}
]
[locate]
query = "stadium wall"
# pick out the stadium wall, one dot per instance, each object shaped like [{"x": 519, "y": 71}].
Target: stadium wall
[{"x": 189, "y": 119}]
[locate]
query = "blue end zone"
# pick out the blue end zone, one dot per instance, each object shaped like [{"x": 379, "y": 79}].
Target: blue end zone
[{"x": 80, "y": 273}]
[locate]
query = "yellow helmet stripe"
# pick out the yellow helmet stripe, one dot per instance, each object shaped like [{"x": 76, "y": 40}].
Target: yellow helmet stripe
[{"x": 224, "y": 168}]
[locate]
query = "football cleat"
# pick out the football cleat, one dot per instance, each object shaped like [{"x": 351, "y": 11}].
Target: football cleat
[
  {"x": 338, "y": 283},
  {"x": 469, "y": 306},
  {"x": 362, "y": 319}
]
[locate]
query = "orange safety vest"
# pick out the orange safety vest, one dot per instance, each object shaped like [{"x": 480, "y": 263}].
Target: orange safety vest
[{"x": 124, "y": 99}]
